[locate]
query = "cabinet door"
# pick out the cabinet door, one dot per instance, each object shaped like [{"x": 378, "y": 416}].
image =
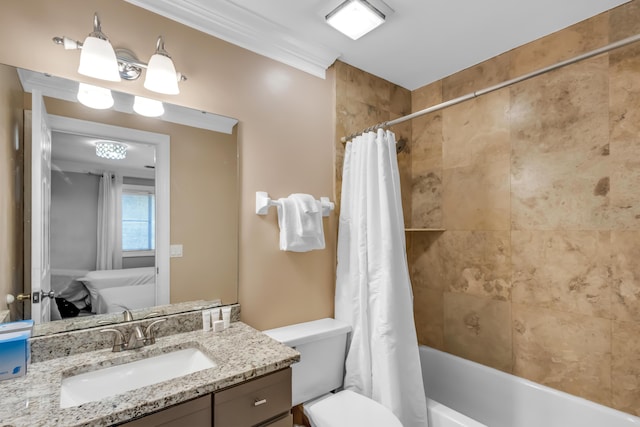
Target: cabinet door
[
  {"x": 254, "y": 403},
  {"x": 282, "y": 422},
  {"x": 195, "y": 413}
]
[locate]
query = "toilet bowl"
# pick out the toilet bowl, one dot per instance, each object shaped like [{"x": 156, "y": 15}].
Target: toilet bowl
[
  {"x": 347, "y": 408},
  {"x": 317, "y": 378}
]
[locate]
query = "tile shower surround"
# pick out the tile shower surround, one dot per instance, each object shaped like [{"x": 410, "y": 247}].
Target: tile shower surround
[{"x": 538, "y": 188}]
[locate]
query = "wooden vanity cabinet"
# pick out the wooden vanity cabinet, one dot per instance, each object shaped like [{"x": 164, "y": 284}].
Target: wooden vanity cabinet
[
  {"x": 262, "y": 402},
  {"x": 265, "y": 401},
  {"x": 195, "y": 413}
]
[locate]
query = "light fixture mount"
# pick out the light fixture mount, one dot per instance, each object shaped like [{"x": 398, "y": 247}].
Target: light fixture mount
[
  {"x": 97, "y": 29},
  {"x": 129, "y": 66}
]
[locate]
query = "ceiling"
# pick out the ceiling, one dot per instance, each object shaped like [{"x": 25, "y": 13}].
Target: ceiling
[
  {"x": 77, "y": 153},
  {"x": 420, "y": 42}
]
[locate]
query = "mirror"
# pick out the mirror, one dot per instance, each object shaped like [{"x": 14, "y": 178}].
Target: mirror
[{"x": 203, "y": 208}]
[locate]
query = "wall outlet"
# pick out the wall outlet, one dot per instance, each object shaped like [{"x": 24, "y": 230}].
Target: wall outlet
[{"x": 176, "y": 251}]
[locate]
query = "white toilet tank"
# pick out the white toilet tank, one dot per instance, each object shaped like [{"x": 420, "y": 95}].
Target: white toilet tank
[{"x": 322, "y": 345}]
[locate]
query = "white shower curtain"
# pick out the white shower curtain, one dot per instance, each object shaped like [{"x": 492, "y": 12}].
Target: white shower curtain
[
  {"x": 373, "y": 290},
  {"x": 109, "y": 250}
]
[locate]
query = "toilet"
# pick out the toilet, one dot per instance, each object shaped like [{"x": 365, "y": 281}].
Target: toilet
[{"x": 320, "y": 372}]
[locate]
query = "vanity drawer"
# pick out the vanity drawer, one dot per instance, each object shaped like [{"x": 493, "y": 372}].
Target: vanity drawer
[
  {"x": 255, "y": 402},
  {"x": 196, "y": 413},
  {"x": 285, "y": 421}
]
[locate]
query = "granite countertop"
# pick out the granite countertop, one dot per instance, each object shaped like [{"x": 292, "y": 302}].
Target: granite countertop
[{"x": 241, "y": 353}]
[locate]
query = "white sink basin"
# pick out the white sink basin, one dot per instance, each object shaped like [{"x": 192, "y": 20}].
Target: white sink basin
[{"x": 96, "y": 385}]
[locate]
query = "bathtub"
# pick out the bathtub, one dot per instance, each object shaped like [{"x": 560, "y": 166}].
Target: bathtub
[{"x": 488, "y": 397}]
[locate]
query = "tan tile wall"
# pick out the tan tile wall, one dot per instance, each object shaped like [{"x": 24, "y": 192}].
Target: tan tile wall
[
  {"x": 538, "y": 188},
  {"x": 363, "y": 100}
]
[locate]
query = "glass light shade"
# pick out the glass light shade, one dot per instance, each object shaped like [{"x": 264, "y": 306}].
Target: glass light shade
[
  {"x": 148, "y": 107},
  {"x": 98, "y": 60},
  {"x": 94, "y": 96},
  {"x": 111, "y": 150},
  {"x": 355, "y": 18},
  {"x": 161, "y": 75}
]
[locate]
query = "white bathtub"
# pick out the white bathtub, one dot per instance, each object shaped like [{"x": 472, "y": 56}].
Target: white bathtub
[{"x": 488, "y": 397}]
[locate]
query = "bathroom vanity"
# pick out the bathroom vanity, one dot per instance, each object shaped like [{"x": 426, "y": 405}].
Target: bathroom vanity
[
  {"x": 249, "y": 384},
  {"x": 264, "y": 401}
]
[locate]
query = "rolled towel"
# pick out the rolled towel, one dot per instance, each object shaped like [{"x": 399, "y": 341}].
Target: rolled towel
[
  {"x": 300, "y": 221},
  {"x": 309, "y": 214}
]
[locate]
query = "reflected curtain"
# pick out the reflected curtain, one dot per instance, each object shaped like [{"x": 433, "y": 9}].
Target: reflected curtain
[
  {"x": 109, "y": 250},
  {"x": 373, "y": 289}
]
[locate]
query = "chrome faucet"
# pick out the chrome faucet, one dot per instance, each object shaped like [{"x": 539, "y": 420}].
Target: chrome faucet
[
  {"x": 149, "y": 332},
  {"x": 119, "y": 342},
  {"x": 134, "y": 337}
]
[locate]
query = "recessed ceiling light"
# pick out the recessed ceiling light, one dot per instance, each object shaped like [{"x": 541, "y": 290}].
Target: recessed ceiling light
[{"x": 355, "y": 18}]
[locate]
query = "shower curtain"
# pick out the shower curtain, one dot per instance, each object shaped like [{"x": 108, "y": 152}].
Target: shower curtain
[
  {"x": 109, "y": 249},
  {"x": 373, "y": 290}
]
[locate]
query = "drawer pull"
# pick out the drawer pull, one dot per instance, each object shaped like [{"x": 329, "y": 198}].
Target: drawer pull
[{"x": 259, "y": 402}]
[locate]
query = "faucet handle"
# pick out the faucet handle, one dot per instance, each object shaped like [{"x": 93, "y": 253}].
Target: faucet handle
[
  {"x": 148, "y": 332},
  {"x": 128, "y": 317},
  {"x": 118, "y": 341}
]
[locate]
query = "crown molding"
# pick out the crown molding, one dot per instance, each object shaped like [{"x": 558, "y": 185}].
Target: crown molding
[{"x": 239, "y": 26}]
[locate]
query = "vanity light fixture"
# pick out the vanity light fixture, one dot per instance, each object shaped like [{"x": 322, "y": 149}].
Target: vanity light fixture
[
  {"x": 99, "y": 60},
  {"x": 111, "y": 150},
  {"x": 94, "y": 96},
  {"x": 148, "y": 107},
  {"x": 355, "y": 18},
  {"x": 161, "y": 73}
]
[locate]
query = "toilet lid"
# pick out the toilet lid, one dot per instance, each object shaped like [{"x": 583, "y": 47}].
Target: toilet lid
[{"x": 349, "y": 409}]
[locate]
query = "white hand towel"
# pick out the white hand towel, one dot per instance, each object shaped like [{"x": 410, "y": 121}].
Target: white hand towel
[
  {"x": 300, "y": 221},
  {"x": 309, "y": 215}
]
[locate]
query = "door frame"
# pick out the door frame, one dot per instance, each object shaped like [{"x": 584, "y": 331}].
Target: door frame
[{"x": 40, "y": 210}]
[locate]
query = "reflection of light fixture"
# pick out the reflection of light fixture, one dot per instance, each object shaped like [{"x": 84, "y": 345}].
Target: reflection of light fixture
[
  {"x": 111, "y": 150},
  {"x": 99, "y": 61},
  {"x": 147, "y": 107},
  {"x": 94, "y": 96},
  {"x": 355, "y": 18}
]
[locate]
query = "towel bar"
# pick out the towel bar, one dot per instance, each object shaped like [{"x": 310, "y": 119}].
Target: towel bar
[{"x": 264, "y": 202}]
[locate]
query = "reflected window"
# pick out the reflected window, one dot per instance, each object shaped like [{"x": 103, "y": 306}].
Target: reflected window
[{"x": 138, "y": 220}]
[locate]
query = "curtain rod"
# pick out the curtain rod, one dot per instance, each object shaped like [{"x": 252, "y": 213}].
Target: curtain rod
[{"x": 587, "y": 55}]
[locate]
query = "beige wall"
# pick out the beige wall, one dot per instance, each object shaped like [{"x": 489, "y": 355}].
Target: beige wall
[
  {"x": 285, "y": 133},
  {"x": 11, "y": 152},
  {"x": 538, "y": 188}
]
